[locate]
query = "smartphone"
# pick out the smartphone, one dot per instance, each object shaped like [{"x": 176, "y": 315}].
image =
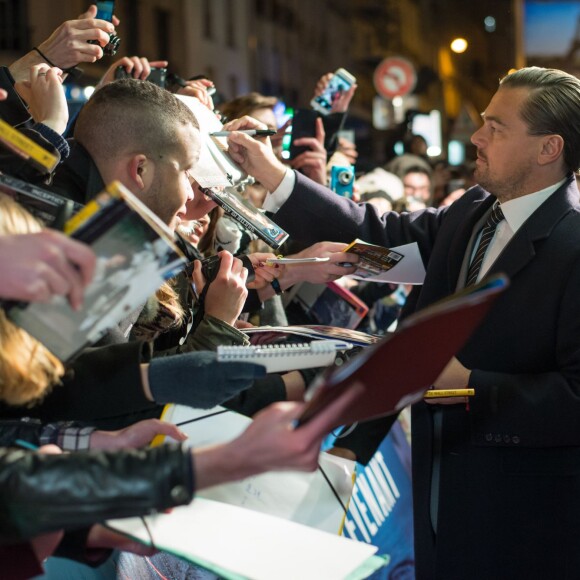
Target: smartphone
[
  {"x": 105, "y": 10},
  {"x": 303, "y": 125},
  {"x": 340, "y": 82}
]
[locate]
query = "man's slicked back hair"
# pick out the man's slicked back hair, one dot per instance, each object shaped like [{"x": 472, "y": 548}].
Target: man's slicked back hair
[
  {"x": 552, "y": 107},
  {"x": 131, "y": 116}
]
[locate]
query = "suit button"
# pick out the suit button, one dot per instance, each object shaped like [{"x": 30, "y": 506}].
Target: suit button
[
  {"x": 498, "y": 438},
  {"x": 506, "y": 438},
  {"x": 515, "y": 439},
  {"x": 489, "y": 437}
]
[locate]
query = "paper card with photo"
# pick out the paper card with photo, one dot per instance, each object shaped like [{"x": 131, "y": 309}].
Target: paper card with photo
[{"x": 135, "y": 255}]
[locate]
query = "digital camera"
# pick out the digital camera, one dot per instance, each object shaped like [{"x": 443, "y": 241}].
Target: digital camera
[
  {"x": 210, "y": 267},
  {"x": 157, "y": 76},
  {"x": 105, "y": 11},
  {"x": 342, "y": 180}
]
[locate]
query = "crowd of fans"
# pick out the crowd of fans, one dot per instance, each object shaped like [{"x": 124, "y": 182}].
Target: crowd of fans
[{"x": 93, "y": 418}]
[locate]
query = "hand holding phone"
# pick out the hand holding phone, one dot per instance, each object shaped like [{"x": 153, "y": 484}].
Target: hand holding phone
[
  {"x": 105, "y": 11},
  {"x": 303, "y": 125},
  {"x": 330, "y": 99}
]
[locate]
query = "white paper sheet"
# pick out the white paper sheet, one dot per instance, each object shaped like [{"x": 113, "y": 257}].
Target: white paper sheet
[
  {"x": 410, "y": 270},
  {"x": 249, "y": 543},
  {"x": 305, "y": 498}
]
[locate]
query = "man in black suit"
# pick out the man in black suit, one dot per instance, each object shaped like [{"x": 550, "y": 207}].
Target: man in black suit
[{"x": 495, "y": 487}]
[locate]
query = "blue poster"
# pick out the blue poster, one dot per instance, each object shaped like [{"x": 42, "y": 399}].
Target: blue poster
[{"x": 381, "y": 507}]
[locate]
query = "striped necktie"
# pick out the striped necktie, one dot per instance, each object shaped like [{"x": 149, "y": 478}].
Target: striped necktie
[{"x": 487, "y": 233}]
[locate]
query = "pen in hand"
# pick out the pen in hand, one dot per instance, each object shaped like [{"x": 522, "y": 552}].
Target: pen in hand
[{"x": 250, "y": 132}]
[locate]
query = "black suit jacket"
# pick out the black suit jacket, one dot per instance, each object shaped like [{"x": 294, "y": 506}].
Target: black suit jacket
[{"x": 508, "y": 503}]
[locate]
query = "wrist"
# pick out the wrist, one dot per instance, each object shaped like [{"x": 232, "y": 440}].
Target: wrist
[
  {"x": 20, "y": 69},
  {"x": 218, "y": 464},
  {"x": 273, "y": 178}
]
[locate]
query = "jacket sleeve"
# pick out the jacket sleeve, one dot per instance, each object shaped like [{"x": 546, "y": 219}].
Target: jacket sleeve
[{"x": 43, "y": 493}]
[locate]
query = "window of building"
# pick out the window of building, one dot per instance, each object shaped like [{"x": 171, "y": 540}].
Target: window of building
[
  {"x": 130, "y": 26},
  {"x": 207, "y": 20},
  {"x": 233, "y": 86},
  {"x": 163, "y": 28},
  {"x": 13, "y": 29},
  {"x": 230, "y": 23}
]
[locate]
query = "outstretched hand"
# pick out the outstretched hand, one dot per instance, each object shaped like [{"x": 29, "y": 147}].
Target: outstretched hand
[
  {"x": 227, "y": 293},
  {"x": 44, "y": 95},
  {"x": 254, "y": 154},
  {"x": 137, "y": 435},
  {"x": 313, "y": 161},
  {"x": 137, "y": 66},
  {"x": 35, "y": 267},
  {"x": 341, "y": 103}
]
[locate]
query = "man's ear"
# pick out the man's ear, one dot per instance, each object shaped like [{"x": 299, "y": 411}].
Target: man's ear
[
  {"x": 552, "y": 149},
  {"x": 140, "y": 172}
]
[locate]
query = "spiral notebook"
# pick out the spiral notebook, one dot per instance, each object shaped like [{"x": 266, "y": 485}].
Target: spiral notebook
[{"x": 279, "y": 358}]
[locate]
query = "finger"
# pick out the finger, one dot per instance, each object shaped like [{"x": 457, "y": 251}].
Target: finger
[
  {"x": 3, "y": 94},
  {"x": 75, "y": 283},
  {"x": 319, "y": 131},
  {"x": 197, "y": 277},
  {"x": 99, "y": 33},
  {"x": 145, "y": 68},
  {"x": 116, "y": 21},
  {"x": 81, "y": 255},
  {"x": 168, "y": 429},
  {"x": 159, "y": 63}
]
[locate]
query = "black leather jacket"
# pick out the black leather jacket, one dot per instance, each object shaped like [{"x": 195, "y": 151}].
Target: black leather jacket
[{"x": 41, "y": 493}]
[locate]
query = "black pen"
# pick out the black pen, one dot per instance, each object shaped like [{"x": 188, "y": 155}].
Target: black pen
[{"x": 251, "y": 132}]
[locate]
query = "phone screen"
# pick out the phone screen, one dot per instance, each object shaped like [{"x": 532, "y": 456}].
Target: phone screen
[
  {"x": 303, "y": 125},
  {"x": 333, "y": 90},
  {"x": 105, "y": 10}
]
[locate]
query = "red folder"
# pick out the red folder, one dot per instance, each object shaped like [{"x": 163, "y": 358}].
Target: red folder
[{"x": 389, "y": 382}]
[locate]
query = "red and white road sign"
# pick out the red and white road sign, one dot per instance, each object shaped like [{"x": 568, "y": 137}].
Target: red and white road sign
[{"x": 394, "y": 77}]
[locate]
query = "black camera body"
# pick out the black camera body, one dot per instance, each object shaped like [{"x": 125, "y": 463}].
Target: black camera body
[
  {"x": 210, "y": 267},
  {"x": 158, "y": 76}
]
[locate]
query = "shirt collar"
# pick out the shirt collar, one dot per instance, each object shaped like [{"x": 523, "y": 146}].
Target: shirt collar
[{"x": 517, "y": 211}]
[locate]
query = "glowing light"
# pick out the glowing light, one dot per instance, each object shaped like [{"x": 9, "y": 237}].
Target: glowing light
[
  {"x": 88, "y": 91},
  {"x": 459, "y": 45},
  {"x": 489, "y": 23}
]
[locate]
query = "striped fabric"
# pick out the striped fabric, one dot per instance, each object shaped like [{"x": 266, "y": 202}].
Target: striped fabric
[{"x": 487, "y": 233}]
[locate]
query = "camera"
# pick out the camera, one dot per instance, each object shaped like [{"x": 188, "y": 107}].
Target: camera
[
  {"x": 210, "y": 267},
  {"x": 157, "y": 76},
  {"x": 342, "y": 180},
  {"x": 105, "y": 11}
]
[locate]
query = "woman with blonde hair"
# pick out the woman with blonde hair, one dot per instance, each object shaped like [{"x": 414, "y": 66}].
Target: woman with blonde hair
[{"x": 28, "y": 370}]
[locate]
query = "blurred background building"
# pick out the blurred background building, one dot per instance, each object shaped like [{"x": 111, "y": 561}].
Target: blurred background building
[{"x": 282, "y": 47}]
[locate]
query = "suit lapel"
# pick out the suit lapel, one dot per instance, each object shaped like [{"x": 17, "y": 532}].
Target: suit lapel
[
  {"x": 462, "y": 242},
  {"x": 522, "y": 247}
]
